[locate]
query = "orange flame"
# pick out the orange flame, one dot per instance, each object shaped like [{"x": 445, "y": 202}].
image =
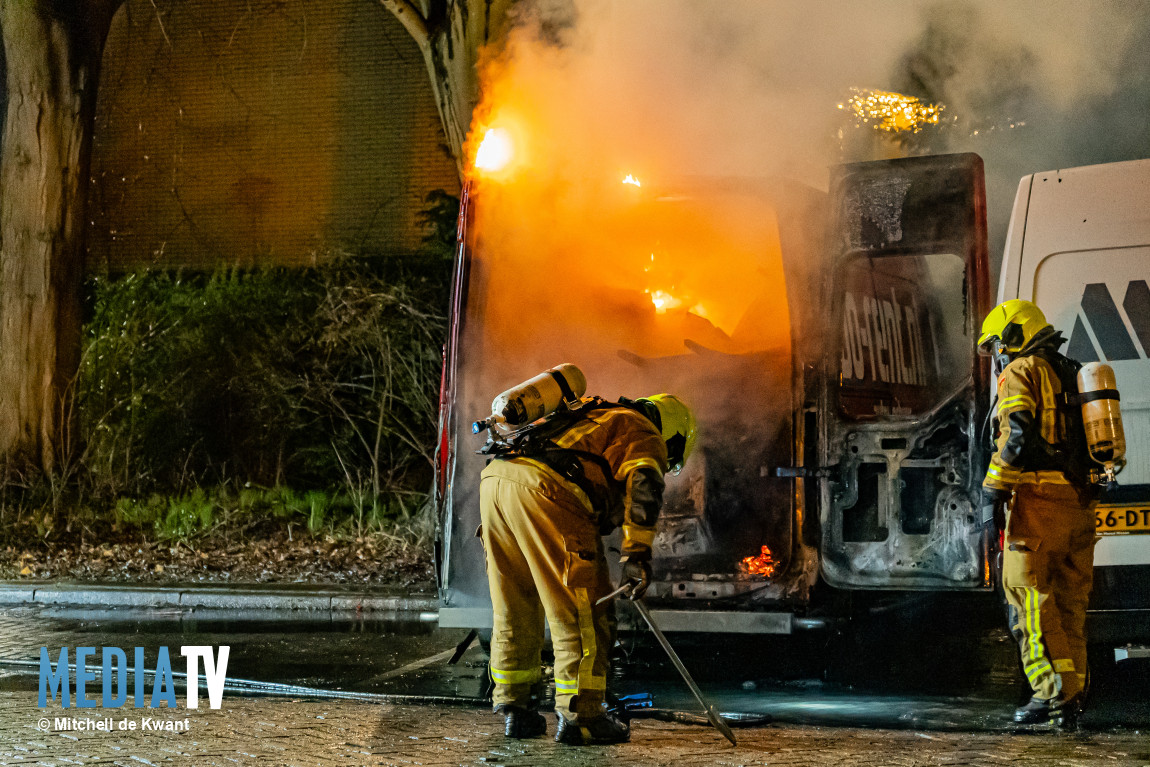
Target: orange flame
[
  {"x": 663, "y": 300},
  {"x": 495, "y": 150},
  {"x": 764, "y": 564}
]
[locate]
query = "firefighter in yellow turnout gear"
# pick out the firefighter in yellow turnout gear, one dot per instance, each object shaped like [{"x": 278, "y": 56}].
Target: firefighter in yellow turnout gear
[
  {"x": 1039, "y": 476},
  {"x": 542, "y": 517}
]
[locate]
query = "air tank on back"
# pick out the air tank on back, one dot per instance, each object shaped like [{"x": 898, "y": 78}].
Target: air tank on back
[
  {"x": 1101, "y": 417},
  {"x": 536, "y": 397}
]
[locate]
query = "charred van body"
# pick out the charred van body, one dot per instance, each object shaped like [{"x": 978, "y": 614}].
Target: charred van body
[{"x": 826, "y": 343}]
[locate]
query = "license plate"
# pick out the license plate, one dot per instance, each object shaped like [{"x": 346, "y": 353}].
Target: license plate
[{"x": 1121, "y": 520}]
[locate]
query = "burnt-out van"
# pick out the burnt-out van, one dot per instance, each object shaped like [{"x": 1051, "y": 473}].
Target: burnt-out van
[
  {"x": 1079, "y": 246},
  {"x": 825, "y": 341}
]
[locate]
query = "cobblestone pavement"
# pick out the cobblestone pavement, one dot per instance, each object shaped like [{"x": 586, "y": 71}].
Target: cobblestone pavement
[{"x": 292, "y": 732}]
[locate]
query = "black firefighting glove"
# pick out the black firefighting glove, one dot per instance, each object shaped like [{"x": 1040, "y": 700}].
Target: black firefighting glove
[
  {"x": 994, "y": 510},
  {"x": 637, "y": 570}
]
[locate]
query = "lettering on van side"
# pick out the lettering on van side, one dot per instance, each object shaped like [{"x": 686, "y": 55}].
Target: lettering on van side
[
  {"x": 883, "y": 340},
  {"x": 1099, "y": 314}
]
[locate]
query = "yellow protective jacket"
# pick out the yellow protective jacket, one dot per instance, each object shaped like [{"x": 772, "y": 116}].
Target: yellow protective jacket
[
  {"x": 1027, "y": 415},
  {"x": 621, "y": 458}
]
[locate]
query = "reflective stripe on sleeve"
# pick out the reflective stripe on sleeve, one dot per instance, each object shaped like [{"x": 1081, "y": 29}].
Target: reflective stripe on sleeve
[
  {"x": 577, "y": 432},
  {"x": 634, "y": 535},
  {"x": 635, "y": 463},
  {"x": 1017, "y": 402},
  {"x": 1005, "y": 478},
  {"x": 1005, "y": 473},
  {"x": 1001, "y": 477}
]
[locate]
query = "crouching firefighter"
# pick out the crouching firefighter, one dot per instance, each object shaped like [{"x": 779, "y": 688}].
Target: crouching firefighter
[
  {"x": 551, "y": 491},
  {"x": 1040, "y": 490}
]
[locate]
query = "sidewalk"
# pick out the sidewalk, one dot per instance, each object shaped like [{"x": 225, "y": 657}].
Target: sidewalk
[{"x": 271, "y": 601}]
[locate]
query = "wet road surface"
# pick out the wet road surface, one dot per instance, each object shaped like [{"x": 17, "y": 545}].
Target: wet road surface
[
  {"x": 918, "y": 685},
  {"x": 920, "y": 668}
]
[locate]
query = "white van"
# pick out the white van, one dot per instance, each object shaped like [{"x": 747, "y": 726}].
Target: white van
[{"x": 1079, "y": 246}]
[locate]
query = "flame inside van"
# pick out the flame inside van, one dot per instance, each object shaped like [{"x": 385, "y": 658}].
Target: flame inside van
[{"x": 648, "y": 287}]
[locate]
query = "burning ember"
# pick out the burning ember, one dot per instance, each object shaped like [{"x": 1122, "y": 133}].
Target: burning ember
[
  {"x": 764, "y": 564},
  {"x": 663, "y": 301},
  {"x": 891, "y": 112},
  {"x": 494, "y": 151}
]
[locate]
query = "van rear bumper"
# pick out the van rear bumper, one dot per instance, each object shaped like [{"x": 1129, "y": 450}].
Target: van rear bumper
[
  {"x": 1118, "y": 627},
  {"x": 706, "y": 621},
  {"x": 1120, "y": 605},
  {"x": 1121, "y": 587}
]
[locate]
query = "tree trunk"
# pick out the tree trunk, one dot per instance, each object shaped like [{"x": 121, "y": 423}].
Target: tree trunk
[
  {"x": 53, "y": 50},
  {"x": 451, "y": 34}
]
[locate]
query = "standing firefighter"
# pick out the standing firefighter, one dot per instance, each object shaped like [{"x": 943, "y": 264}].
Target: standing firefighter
[
  {"x": 544, "y": 503},
  {"x": 1039, "y": 479}
]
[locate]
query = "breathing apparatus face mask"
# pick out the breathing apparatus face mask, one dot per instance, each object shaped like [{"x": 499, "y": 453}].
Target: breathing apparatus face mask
[{"x": 999, "y": 357}]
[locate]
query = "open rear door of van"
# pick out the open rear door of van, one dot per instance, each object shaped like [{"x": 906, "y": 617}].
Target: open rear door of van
[{"x": 902, "y": 406}]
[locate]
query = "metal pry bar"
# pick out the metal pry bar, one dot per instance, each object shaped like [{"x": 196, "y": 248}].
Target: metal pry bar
[
  {"x": 708, "y": 707},
  {"x": 624, "y": 590}
]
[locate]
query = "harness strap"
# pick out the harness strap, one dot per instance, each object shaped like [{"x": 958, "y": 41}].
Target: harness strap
[
  {"x": 568, "y": 395},
  {"x": 1070, "y": 399}
]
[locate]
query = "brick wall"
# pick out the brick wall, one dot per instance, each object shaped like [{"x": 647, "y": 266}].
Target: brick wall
[{"x": 262, "y": 132}]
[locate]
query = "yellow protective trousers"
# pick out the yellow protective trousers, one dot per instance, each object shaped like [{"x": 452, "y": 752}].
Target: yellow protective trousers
[
  {"x": 545, "y": 559},
  {"x": 1047, "y": 573}
]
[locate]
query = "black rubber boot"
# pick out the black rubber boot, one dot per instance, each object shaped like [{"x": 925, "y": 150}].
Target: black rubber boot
[
  {"x": 601, "y": 730},
  {"x": 1036, "y": 711},
  {"x": 1063, "y": 713},
  {"x": 522, "y": 723},
  {"x": 1065, "y": 716}
]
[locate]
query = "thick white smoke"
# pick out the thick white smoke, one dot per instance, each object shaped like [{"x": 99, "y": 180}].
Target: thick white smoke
[{"x": 750, "y": 87}]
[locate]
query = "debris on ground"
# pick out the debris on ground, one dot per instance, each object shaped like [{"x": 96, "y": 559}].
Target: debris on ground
[{"x": 377, "y": 559}]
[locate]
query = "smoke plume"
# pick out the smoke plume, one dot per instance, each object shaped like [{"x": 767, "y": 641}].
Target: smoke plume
[{"x": 659, "y": 223}]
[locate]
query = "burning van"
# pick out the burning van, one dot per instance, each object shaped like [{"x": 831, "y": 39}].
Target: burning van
[{"x": 826, "y": 342}]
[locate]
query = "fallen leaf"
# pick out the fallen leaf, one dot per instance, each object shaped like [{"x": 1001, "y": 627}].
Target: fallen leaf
[
  {"x": 159, "y": 568},
  {"x": 26, "y": 571}
]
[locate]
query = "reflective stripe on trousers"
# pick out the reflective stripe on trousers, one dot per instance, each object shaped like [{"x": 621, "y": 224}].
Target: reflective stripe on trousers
[
  {"x": 545, "y": 562},
  {"x": 1047, "y": 574}
]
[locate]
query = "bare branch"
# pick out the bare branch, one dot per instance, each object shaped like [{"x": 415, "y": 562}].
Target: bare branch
[
  {"x": 160, "y": 20},
  {"x": 411, "y": 19}
]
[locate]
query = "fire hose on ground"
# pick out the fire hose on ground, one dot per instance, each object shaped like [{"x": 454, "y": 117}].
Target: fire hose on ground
[{"x": 278, "y": 689}]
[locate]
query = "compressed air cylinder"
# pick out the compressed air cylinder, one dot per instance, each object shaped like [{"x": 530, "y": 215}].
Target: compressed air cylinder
[
  {"x": 543, "y": 394},
  {"x": 1101, "y": 416}
]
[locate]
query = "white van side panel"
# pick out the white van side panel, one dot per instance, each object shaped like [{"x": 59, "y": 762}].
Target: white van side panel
[
  {"x": 1079, "y": 247},
  {"x": 1080, "y": 209},
  {"x": 1015, "y": 237}
]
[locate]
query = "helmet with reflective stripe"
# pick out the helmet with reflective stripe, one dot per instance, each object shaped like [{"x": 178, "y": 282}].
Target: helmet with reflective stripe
[
  {"x": 1010, "y": 326},
  {"x": 677, "y": 426}
]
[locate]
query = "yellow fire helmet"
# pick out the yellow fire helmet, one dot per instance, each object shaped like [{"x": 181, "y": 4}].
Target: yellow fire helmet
[
  {"x": 677, "y": 424},
  {"x": 1011, "y": 324}
]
